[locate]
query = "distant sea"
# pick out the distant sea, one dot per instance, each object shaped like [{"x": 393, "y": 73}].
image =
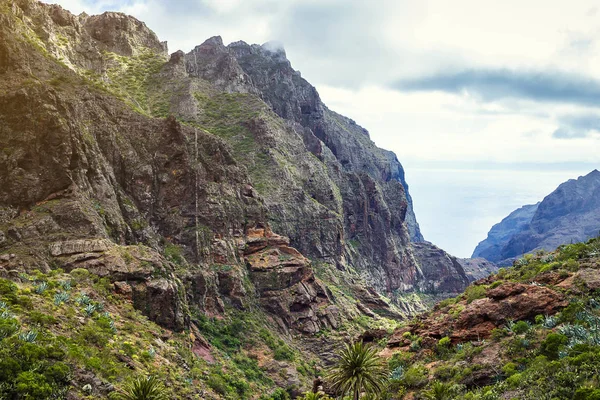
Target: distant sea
[{"x": 456, "y": 208}]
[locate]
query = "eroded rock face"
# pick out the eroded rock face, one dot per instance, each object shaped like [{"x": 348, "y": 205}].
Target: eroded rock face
[
  {"x": 137, "y": 272},
  {"x": 443, "y": 273},
  {"x": 510, "y": 301},
  {"x": 286, "y": 284},
  {"x": 477, "y": 268}
]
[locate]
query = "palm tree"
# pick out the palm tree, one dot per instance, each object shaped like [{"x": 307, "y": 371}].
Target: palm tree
[
  {"x": 314, "y": 396},
  {"x": 359, "y": 369},
  {"x": 143, "y": 388},
  {"x": 442, "y": 391}
]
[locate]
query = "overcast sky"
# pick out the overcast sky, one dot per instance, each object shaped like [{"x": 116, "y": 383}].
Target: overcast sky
[{"x": 511, "y": 86}]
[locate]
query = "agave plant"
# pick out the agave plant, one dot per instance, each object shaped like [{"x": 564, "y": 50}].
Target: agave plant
[
  {"x": 3, "y": 305},
  {"x": 151, "y": 351},
  {"x": 143, "y": 388},
  {"x": 83, "y": 299},
  {"x": 547, "y": 258},
  {"x": 89, "y": 310},
  {"x": 28, "y": 337},
  {"x": 65, "y": 285},
  {"x": 549, "y": 322},
  {"x": 40, "y": 288},
  {"x": 61, "y": 297},
  {"x": 359, "y": 369},
  {"x": 113, "y": 328},
  {"x": 397, "y": 373}
]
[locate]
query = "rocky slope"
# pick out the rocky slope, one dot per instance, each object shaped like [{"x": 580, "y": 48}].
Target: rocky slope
[
  {"x": 528, "y": 332},
  {"x": 213, "y": 191},
  {"x": 477, "y": 268},
  {"x": 569, "y": 214}
]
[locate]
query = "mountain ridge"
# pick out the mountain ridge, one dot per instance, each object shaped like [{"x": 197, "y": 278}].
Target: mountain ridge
[
  {"x": 171, "y": 191},
  {"x": 571, "y": 213}
]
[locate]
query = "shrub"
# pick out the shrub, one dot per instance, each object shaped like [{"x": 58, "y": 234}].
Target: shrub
[
  {"x": 8, "y": 327},
  {"x": 415, "y": 377},
  {"x": 587, "y": 393},
  {"x": 8, "y": 291},
  {"x": 399, "y": 359},
  {"x": 552, "y": 344},
  {"x": 475, "y": 292},
  {"x": 519, "y": 327},
  {"x": 31, "y": 386},
  {"x": 280, "y": 394},
  {"x": 444, "y": 372},
  {"x": 509, "y": 369},
  {"x": 443, "y": 391},
  {"x": 498, "y": 333},
  {"x": 444, "y": 346},
  {"x": 515, "y": 380},
  {"x": 58, "y": 372},
  {"x": 283, "y": 353},
  {"x": 80, "y": 274}
]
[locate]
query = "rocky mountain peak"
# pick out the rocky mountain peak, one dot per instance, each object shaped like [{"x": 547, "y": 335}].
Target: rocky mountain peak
[
  {"x": 214, "y": 43},
  {"x": 122, "y": 34}
]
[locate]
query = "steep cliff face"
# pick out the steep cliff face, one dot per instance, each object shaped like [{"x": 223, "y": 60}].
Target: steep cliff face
[
  {"x": 80, "y": 165},
  {"x": 348, "y": 203},
  {"x": 106, "y": 139},
  {"x": 569, "y": 214}
]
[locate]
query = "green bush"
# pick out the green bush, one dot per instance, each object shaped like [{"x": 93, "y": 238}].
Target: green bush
[
  {"x": 509, "y": 369},
  {"x": 444, "y": 372},
  {"x": 552, "y": 344},
  {"x": 514, "y": 380},
  {"x": 8, "y": 327},
  {"x": 42, "y": 319},
  {"x": 8, "y": 291},
  {"x": 444, "y": 346},
  {"x": 520, "y": 327},
  {"x": 415, "y": 376},
  {"x": 280, "y": 394},
  {"x": 587, "y": 393},
  {"x": 32, "y": 386},
  {"x": 399, "y": 359},
  {"x": 499, "y": 333},
  {"x": 283, "y": 353},
  {"x": 475, "y": 292},
  {"x": 80, "y": 274}
]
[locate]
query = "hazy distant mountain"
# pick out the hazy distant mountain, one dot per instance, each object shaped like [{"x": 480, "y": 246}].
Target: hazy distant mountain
[
  {"x": 501, "y": 233},
  {"x": 569, "y": 214}
]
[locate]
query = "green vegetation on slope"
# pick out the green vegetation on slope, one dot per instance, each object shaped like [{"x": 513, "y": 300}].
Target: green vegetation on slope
[
  {"x": 543, "y": 357},
  {"x": 71, "y": 333}
]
